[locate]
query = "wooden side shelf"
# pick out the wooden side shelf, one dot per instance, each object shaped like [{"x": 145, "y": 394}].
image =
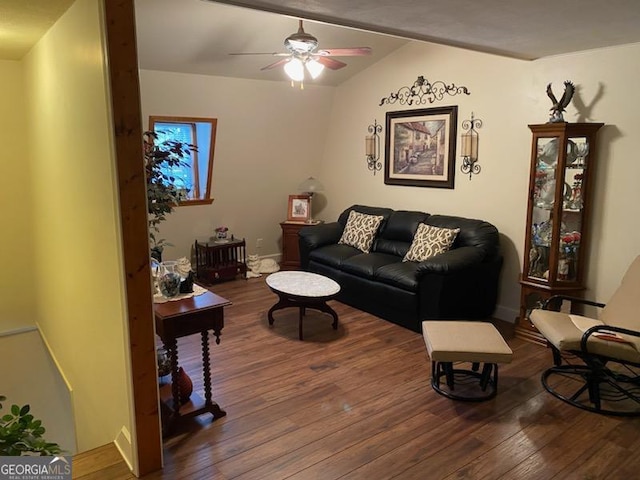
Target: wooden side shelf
[
  {"x": 195, "y": 407},
  {"x": 220, "y": 261},
  {"x": 290, "y": 246},
  {"x": 190, "y": 316}
]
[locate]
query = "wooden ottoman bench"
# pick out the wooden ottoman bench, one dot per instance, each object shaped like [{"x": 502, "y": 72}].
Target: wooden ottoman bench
[{"x": 460, "y": 341}]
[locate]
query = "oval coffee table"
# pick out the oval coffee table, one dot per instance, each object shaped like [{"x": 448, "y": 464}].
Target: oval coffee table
[{"x": 302, "y": 290}]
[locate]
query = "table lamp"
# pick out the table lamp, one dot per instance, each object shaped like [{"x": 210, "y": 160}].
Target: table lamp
[{"x": 310, "y": 186}]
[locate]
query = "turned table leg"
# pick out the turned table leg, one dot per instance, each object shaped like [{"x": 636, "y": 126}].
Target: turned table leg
[
  {"x": 206, "y": 367},
  {"x": 172, "y": 348}
]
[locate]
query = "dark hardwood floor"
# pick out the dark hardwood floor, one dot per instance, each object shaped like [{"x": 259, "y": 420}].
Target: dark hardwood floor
[{"x": 356, "y": 403}]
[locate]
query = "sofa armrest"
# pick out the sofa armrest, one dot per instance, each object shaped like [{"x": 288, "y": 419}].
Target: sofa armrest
[
  {"x": 460, "y": 283},
  {"x": 317, "y": 236},
  {"x": 451, "y": 261}
]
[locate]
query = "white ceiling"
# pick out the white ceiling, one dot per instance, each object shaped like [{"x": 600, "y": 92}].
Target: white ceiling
[
  {"x": 195, "y": 36},
  {"x": 522, "y": 29}
]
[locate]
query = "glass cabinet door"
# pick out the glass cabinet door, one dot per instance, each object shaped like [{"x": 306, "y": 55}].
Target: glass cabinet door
[
  {"x": 544, "y": 188},
  {"x": 572, "y": 208}
]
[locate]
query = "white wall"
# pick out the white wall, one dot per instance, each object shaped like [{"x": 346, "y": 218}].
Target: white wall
[
  {"x": 270, "y": 138},
  {"x": 37, "y": 383},
  {"x": 254, "y": 172},
  {"x": 607, "y": 92},
  {"x": 507, "y": 95}
]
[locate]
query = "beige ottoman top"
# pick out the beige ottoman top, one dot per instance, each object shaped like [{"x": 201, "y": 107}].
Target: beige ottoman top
[{"x": 458, "y": 341}]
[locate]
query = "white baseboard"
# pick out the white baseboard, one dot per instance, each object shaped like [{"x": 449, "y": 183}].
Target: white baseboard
[
  {"x": 123, "y": 444},
  {"x": 507, "y": 314},
  {"x": 275, "y": 256}
]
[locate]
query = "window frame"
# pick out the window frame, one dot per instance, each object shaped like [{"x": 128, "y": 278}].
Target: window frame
[{"x": 204, "y": 198}]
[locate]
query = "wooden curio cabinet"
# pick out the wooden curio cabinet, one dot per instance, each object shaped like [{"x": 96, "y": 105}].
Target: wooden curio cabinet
[{"x": 556, "y": 239}]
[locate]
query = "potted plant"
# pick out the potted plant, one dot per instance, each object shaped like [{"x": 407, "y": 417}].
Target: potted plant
[
  {"x": 162, "y": 194},
  {"x": 20, "y": 433}
]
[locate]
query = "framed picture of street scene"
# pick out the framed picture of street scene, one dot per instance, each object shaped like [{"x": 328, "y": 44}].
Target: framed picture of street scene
[{"x": 420, "y": 147}]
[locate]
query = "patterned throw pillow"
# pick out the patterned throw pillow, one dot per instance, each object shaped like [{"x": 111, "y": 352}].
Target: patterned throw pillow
[
  {"x": 430, "y": 241},
  {"x": 360, "y": 230}
]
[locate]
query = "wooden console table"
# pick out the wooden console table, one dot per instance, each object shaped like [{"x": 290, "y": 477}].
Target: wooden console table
[
  {"x": 221, "y": 260},
  {"x": 181, "y": 318}
]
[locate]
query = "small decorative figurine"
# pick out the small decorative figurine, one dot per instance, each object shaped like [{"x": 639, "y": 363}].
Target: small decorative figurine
[
  {"x": 186, "y": 286},
  {"x": 559, "y": 106}
]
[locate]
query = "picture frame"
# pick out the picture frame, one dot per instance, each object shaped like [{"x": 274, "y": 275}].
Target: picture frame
[
  {"x": 299, "y": 208},
  {"x": 420, "y": 147}
]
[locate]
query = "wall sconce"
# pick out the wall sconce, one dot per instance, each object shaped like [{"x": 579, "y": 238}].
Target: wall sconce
[
  {"x": 470, "y": 146},
  {"x": 372, "y": 147}
]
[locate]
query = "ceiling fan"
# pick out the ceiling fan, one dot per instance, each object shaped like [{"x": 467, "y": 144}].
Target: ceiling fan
[{"x": 303, "y": 53}]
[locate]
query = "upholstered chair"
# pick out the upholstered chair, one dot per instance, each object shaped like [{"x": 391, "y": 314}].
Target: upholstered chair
[{"x": 596, "y": 360}]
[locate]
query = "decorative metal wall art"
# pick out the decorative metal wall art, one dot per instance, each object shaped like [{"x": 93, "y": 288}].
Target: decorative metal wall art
[
  {"x": 372, "y": 147},
  {"x": 469, "y": 148},
  {"x": 423, "y": 91}
]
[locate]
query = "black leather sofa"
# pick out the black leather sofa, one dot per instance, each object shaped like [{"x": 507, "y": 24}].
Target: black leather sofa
[{"x": 461, "y": 283}]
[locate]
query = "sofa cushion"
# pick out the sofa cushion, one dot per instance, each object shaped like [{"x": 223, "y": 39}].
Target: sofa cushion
[
  {"x": 366, "y": 264},
  {"x": 403, "y": 275},
  {"x": 360, "y": 230},
  {"x": 333, "y": 255},
  {"x": 473, "y": 233},
  {"x": 397, "y": 232},
  {"x": 385, "y": 212},
  {"x": 430, "y": 241}
]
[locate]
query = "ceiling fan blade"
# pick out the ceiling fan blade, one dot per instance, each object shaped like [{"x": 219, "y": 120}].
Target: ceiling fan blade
[
  {"x": 273, "y": 54},
  {"x": 345, "y": 52},
  {"x": 331, "y": 63},
  {"x": 282, "y": 61}
]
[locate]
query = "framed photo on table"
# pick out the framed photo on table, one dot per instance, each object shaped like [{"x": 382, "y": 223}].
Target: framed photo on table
[
  {"x": 299, "y": 208},
  {"x": 420, "y": 147}
]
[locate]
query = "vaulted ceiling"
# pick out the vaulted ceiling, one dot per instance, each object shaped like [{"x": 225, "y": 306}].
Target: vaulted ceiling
[{"x": 196, "y": 36}]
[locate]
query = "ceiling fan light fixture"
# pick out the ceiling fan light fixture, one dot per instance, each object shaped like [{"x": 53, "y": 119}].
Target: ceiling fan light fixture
[
  {"x": 314, "y": 68},
  {"x": 300, "y": 46},
  {"x": 294, "y": 69}
]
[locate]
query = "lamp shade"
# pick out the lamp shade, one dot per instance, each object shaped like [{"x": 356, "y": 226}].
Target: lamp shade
[
  {"x": 311, "y": 185},
  {"x": 294, "y": 69},
  {"x": 314, "y": 68}
]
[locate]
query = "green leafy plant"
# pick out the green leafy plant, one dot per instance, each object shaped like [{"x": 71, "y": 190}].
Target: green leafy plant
[
  {"x": 20, "y": 433},
  {"x": 162, "y": 194}
]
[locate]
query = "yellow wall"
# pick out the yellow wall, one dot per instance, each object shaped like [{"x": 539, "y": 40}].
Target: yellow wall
[
  {"x": 16, "y": 246},
  {"x": 77, "y": 252}
]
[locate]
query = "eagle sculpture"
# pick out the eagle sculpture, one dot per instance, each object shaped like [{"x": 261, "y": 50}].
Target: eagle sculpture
[{"x": 559, "y": 106}]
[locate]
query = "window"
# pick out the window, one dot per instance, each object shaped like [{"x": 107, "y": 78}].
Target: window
[{"x": 193, "y": 178}]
